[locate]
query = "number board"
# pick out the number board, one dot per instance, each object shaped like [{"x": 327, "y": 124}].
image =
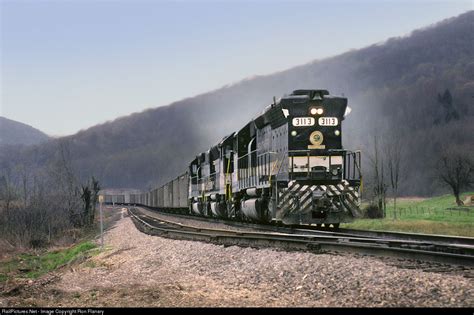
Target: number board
[
  {"x": 328, "y": 121},
  {"x": 303, "y": 121}
]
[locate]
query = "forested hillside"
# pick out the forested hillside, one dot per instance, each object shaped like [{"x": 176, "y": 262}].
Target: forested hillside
[
  {"x": 16, "y": 133},
  {"x": 419, "y": 88}
]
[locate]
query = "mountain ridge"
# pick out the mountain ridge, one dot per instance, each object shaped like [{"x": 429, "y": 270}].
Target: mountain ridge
[{"x": 13, "y": 132}]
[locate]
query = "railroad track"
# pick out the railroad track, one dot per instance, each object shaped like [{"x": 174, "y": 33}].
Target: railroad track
[
  {"x": 311, "y": 229},
  {"x": 309, "y": 240}
]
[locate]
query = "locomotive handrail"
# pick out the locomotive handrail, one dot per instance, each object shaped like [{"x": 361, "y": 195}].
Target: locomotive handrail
[
  {"x": 355, "y": 157},
  {"x": 245, "y": 155},
  {"x": 331, "y": 151}
]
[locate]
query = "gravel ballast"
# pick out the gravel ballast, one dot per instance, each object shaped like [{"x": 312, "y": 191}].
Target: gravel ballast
[{"x": 141, "y": 270}]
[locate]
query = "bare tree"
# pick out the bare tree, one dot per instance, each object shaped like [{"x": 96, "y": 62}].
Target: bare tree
[
  {"x": 379, "y": 185},
  {"x": 66, "y": 182},
  {"x": 86, "y": 196},
  {"x": 456, "y": 169},
  {"x": 395, "y": 151},
  {"x": 41, "y": 206},
  {"x": 95, "y": 196},
  {"x": 8, "y": 191},
  {"x": 23, "y": 174}
]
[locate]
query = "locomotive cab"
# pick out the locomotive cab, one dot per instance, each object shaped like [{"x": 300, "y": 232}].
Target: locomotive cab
[{"x": 314, "y": 138}]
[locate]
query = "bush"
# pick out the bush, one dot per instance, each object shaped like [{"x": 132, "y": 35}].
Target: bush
[
  {"x": 35, "y": 225},
  {"x": 372, "y": 211}
]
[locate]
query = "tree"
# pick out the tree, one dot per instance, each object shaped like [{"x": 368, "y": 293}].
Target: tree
[
  {"x": 379, "y": 185},
  {"x": 66, "y": 181},
  {"x": 86, "y": 196},
  {"x": 95, "y": 196},
  {"x": 395, "y": 150},
  {"x": 23, "y": 172},
  {"x": 449, "y": 111},
  {"x": 8, "y": 191},
  {"x": 456, "y": 169}
]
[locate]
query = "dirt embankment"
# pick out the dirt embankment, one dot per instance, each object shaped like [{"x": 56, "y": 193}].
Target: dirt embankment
[{"x": 141, "y": 270}]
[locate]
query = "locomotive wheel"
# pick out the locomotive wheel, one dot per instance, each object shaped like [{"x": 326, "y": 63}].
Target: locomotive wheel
[
  {"x": 335, "y": 225},
  {"x": 266, "y": 214}
]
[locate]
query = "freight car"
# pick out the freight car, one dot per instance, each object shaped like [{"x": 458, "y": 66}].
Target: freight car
[{"x": 286, "y": 166}]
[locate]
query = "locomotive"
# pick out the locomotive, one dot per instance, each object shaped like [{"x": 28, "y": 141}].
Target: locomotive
[{"x": 286, "y": 166}]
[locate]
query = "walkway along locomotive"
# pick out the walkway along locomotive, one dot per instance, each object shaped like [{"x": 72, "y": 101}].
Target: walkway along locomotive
[{"x": 285, "y": 166}]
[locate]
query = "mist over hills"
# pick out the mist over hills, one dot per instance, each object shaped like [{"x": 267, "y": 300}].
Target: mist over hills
[
  {"x": 393, "y": 88},
  {"x": 16, "y": 133}
]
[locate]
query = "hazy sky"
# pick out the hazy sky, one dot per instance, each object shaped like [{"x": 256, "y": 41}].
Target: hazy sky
[{"x": 68, "y": 65}]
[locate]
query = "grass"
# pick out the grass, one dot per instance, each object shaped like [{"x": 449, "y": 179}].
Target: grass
[
  {"x": 430, "y": 216},
  {"x": 32, "y": 266}
]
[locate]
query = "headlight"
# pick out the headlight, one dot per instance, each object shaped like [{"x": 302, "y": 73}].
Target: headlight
[
  {"x": 316, "y": 111},
  {"x": 337, "y": 132},
  {"x": 294, "y": 133}
]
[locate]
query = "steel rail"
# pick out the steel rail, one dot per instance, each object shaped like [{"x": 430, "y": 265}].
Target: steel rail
[
  {"x": 454, "y": 248},
  {"x": 319, "y": 243},
  {"x": 432, "y": 238}
]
